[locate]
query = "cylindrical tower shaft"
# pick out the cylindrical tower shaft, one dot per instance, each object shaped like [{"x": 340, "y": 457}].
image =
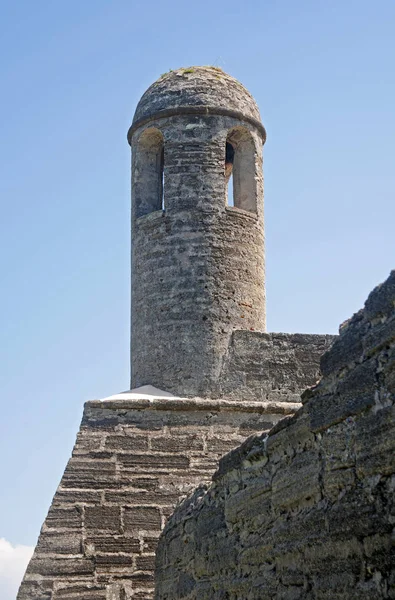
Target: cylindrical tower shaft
[{"x": 197, "y": 262}]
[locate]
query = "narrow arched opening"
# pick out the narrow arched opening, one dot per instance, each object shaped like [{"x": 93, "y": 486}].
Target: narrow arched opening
[
  {"x": 240, "y": 168},
  {"x": 148, "y": 173},
  {"x": 229, "y": 160}
]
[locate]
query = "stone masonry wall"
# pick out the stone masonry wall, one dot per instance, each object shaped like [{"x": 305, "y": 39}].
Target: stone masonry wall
[
  {"x": 308, "y": 511},
  {"x": 271, "y": 366},
  {"x": 198, "y": 265},
  {"x": 132, "y": 462}
]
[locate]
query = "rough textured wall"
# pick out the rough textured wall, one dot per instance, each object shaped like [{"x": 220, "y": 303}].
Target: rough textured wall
[
  {"x": 271, "y": 366},
  {"x": 132, "y": 462},
  {"x": 308, "y": 511},
  {"x": 135, "y": 459},
  {"x": 198, "y": 266},
  {"x": 196, "y": 86}
]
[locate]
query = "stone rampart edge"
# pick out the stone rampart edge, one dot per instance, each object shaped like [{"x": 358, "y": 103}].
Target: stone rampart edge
[{"x": 195, "y": 404}]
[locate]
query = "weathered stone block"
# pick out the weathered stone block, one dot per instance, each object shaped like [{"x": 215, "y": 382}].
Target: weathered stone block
[
  {"x": 290, "y": 535},
  {"x": 60, "y": 543},
  {"x": 156, "y": 462},
  {"x": 88, "y": 442},
  {"x": 39, "y": 590},
  {"x": 347, "y": 349},
  {"x": 127, "y": 443},
  {"x": 108, "y": 562},
  {"x": 111, "y": 544},
  {"x": 354, "y": 394},
  {"x": 61, "y": 566},
  {"x": 64, "y": 518},
  {"x": 379, "y": 336},
  {"x": 160, "y": 496},
  {"x": 338, "y": 445},
  {"x": 74, "y": 592},
  {"x": 222, "y": 445},
  {"x": 90, "y": 474},
  {"x": 177, "y": 443},
  {"x": 355, "y": 515},
  {"x": 251, "y": 503},
  {"x": 336, "y": 483},
  {"x": 209, "y": 520},
  {"x": 297, "y": 483},
  {"x": 103, "y": 517},
  {"x": 80, "y": 497},
  {"x": 141, "y": 483},
  {"x": 375, "y": 443},
  {"x": 380, "y": 302},
  {"x": 142, "y": 517},
  {"x": 145, "y": 562}
]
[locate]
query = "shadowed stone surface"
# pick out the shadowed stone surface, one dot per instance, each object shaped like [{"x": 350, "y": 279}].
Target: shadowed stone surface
[{"x": 306, "y": 512}]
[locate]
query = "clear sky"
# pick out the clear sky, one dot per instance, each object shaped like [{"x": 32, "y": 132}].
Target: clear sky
[{"x": 71, "y": 73}]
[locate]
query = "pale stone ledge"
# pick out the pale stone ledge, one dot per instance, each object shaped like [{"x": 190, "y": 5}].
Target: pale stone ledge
[{"x": 194, "y": 404}]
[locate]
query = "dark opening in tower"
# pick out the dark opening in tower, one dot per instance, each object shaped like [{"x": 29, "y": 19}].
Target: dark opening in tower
[
  {"x": 240, "y": 165},
  {"x": 229, "y": 159},
  {"x": 148, "y": 184}
]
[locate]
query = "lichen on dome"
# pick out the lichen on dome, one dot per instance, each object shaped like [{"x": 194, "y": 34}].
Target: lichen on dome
[{"x": 193, "y": 87}]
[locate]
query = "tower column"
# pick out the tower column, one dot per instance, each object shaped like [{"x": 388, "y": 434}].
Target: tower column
[{"x": 198, "y": 263}]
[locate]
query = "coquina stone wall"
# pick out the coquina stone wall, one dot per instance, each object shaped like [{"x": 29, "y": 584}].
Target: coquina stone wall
[
  {"x": 270, "y": 366},
  {"x": 133, "y": 461},
  {"x": 198, "y": 265},
  {"x": 308, "y": 511}
]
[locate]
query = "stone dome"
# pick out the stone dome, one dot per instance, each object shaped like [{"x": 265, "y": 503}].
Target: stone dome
[{"x": 196, "y": 89}]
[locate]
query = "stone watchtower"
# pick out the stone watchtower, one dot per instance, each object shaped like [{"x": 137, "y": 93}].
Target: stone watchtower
[
  {"x": 198, "y": 263},
  {"x": 198, "y": 331}
]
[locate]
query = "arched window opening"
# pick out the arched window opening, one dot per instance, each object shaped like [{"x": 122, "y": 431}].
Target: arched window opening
[
  {"x": 229, "y": 159},
  {"x": 148, "y": 173},
  {"x": 162, "y": 177},
  {"x": 240, "y": 166}
]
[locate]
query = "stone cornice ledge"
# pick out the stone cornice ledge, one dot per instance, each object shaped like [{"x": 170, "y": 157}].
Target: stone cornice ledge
[{"x": 195, "y": 404}]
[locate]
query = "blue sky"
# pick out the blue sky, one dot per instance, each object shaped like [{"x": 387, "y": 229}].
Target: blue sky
[{"x": 72, "y": 72}]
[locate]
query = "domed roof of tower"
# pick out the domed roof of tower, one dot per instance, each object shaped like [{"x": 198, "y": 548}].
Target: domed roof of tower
[{"x": 196, "y": 88}]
